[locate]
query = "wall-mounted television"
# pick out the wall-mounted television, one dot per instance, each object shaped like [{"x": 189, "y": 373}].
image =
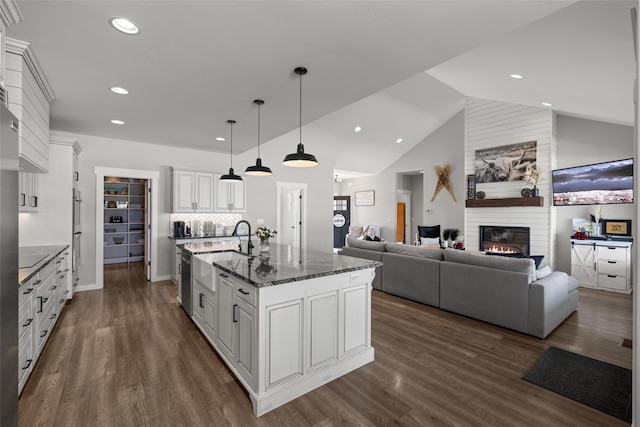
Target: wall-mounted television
[{"x": 599, "y": 183}]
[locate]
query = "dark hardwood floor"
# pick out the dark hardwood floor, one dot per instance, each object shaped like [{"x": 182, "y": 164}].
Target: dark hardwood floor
[{"x": 127, "y": 355}]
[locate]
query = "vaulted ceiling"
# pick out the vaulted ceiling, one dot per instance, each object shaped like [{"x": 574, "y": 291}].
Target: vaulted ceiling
[{"x": 397, "y": 69}]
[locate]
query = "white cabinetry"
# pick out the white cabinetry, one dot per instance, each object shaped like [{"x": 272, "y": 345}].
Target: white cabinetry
[
  {"x": 191, "y": 191},
  {"x": 602, "y": 264},
  {"x": 28, "y": 194},
  {"x": 29, "y": 99},
  {"x": 285, "y": 340},
  {"x": 230, "y": 196},
  {"x": 41, "y": 299}
]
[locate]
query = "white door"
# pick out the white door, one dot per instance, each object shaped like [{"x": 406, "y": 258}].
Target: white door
[
  {"x": 583, "y": 265},
  {"x": 147, "y": 230}
]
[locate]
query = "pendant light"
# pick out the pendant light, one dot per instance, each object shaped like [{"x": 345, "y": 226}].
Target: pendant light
[
  {"x": 300, "y": 159},
  {"x": 231, "y": 177},
  {"x": 258, "y": 169}
]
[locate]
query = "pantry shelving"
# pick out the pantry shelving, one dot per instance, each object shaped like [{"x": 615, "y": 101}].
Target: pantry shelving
[{"x": 124, "y": 220}]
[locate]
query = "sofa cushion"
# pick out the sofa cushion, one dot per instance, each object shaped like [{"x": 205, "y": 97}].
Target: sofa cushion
[
  {"x": 543, "y": 272},
  {"x": 519, "y": 265},
  {"x": 366, "y": 244},
  {"x": 417, "y": 251},
  {"x": 572, "y": 283}
]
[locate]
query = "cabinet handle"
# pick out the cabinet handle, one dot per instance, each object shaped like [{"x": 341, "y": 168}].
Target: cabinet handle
[
  {"x": 53, "y": 316},
  {"x": 611, "y": 275},
  {"x": 53, "y": 288},
  {"x": 40, "y": 303},
  {"x": 23, "y": 199},
  {"x": 29, "y": 321},
  {"x": 44, "y": 333},
  {"x": 61, "y": 276},
  {"x": 223, "y": 275},
  {"x": 611, "y": 262},
  {"x": 28, "y": 364},
  {"x": 234, "y": 313},
  {"x": 37, "y": 282},
  {"x": 61, "y": 301},
  {"x": 34, "y": 203},
  {"x": 58, "y": 262},
  {"x": 180, "y": 269},
  {"x": 243, "y": 292},
  {"x": 76, "y": 176},
  {"x": 66, "y": 292},
  {"x": 28, "y": 291},
  {"x": 200, "y": 301},
  {"x": 612, "y": 248}
]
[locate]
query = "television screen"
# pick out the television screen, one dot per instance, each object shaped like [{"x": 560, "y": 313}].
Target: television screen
[{"x": 600, "y": 183}]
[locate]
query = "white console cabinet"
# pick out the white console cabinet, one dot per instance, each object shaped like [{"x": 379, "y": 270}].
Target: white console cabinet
[{"x": 602, "y": 264}]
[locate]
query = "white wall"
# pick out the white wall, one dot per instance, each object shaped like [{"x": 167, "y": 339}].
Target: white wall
[
  {"x": 444, "y": 146},
  {"x": 494, "y": 124},
  {"x": 582, "y": 142}
]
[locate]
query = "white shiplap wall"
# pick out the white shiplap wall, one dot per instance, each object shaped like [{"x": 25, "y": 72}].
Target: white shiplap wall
[{"x": 493, "y": 124}]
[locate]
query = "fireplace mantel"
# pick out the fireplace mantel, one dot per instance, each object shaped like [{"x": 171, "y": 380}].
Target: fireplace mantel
[{"x": 504, "y": 202}]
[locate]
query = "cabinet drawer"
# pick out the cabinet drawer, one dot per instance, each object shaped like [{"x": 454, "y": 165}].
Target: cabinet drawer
[
  {"x": 615, "y": 268},
  {"x": 612, "y": 282},
  {"x": 246, "y": 292},
  {"x": 25, "y": 292},
  {"x": 25, "y": 358},
  {"x": 25, "y": 319},
  {"x": 612, "y": 253}
]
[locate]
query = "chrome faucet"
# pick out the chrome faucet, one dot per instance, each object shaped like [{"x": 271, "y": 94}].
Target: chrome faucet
[{"x": 235, "y": 233}]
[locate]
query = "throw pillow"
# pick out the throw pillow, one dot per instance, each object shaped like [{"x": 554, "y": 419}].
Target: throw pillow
[
  {"x": 543, "y": 272},
  {"x": 538, "y": 260},
  {"x": 356, "y": 231},
  {"x": 429, "y": 241},
  {"x": 429, "y": 231}
]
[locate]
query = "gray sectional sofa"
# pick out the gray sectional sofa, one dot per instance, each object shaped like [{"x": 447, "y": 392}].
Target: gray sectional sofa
[{"x": 498, "y": 290}]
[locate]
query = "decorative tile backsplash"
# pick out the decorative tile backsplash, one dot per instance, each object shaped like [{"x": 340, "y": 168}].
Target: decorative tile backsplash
[{"x": 224, "y": 219}]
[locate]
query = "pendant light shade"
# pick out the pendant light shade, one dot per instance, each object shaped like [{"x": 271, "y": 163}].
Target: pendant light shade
[
  {"x": 231, "y": 177},
  {"x": 258, "y": 169},
  {"x": 300, "y": 159}
]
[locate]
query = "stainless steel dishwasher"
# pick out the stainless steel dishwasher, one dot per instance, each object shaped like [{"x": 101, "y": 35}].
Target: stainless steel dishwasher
[{"x": 186, "y": 283}]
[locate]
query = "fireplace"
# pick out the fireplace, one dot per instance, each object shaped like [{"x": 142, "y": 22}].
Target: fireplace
[{"x": 504, "y": 240}]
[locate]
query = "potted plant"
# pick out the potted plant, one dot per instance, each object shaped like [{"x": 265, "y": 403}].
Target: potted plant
[{"x": 446, "y": 235}]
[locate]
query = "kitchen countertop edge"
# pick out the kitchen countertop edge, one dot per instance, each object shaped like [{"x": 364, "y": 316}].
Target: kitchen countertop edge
[{"x": 52, "y": 250}]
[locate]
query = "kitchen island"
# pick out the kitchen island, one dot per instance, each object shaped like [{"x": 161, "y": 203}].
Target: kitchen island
[{"x": 285, "y": 321}]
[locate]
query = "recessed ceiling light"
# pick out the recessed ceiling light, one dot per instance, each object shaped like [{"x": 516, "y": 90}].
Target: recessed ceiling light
[
  {"x": 516, "y": 76},
  {"x": 119, "y": 90},
  {"x": 219, "y": 138},
  {"x": 117, "y": 122},
  {"x": 124, "y": 25},
  {"x": 358, "y": 129},
  {"x": 546, "y": 104},
  {"x": 398, "y": 141}
]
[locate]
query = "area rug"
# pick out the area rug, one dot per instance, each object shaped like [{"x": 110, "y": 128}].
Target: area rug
[{"x": 597, "y": 384}]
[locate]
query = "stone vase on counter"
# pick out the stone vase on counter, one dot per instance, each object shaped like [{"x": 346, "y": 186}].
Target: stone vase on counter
[{"x": 264, "y": 245}]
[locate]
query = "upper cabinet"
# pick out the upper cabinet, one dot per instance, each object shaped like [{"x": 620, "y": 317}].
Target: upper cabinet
[
  {"x": 9, "y": 15},
  {"x": 29, "y": 98},
  {"x": 230, "y": 197},
  {"x": 191, "y": 191}
]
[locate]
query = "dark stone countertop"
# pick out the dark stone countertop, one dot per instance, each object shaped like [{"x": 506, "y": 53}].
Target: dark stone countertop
[
  {"x": 27, "y": 255},
  {"x": 284, "y": 264}
]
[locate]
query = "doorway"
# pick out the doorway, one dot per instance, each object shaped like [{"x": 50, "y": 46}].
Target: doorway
[
  {"x": 404, "y": 223},
  {"x": 150, "y": 197},
  {"x": 341, "y": 220},
  {"x": 291, "y": 214}
]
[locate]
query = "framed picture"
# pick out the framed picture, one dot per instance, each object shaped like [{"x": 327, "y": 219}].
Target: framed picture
[
  {"x": 471, "y": 187},
  {"x": 365, "y": 198},
  {"x": 505, "y": 163},
  {"x": 616, "y": 227}
]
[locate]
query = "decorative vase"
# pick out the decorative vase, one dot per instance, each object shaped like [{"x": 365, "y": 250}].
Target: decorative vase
[
  {"x": 264, "y": 245},
  {"x": 535, "y": 191}
]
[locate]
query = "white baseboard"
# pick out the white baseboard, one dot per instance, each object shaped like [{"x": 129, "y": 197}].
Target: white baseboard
[
  {"x": 92, "y": 287},
  {"x": 162, "y": 278}
]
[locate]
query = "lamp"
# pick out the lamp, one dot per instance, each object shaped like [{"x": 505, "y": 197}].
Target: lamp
[
  {"x": 300, "y": 159},
  {"x": 231, "y": 177},
  {"x": 258, "y": 169},
  {"x": 337, "y": 179}
]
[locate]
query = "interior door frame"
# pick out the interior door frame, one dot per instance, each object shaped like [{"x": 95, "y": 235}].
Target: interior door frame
[
  {"x": 280, "y": 185},
  {"x": 404, "y": 196},
  {"x": 154, "y": 178}
]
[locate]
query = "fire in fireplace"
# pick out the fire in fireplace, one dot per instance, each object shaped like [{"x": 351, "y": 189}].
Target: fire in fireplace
[{"x": 504, "y": 239}]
